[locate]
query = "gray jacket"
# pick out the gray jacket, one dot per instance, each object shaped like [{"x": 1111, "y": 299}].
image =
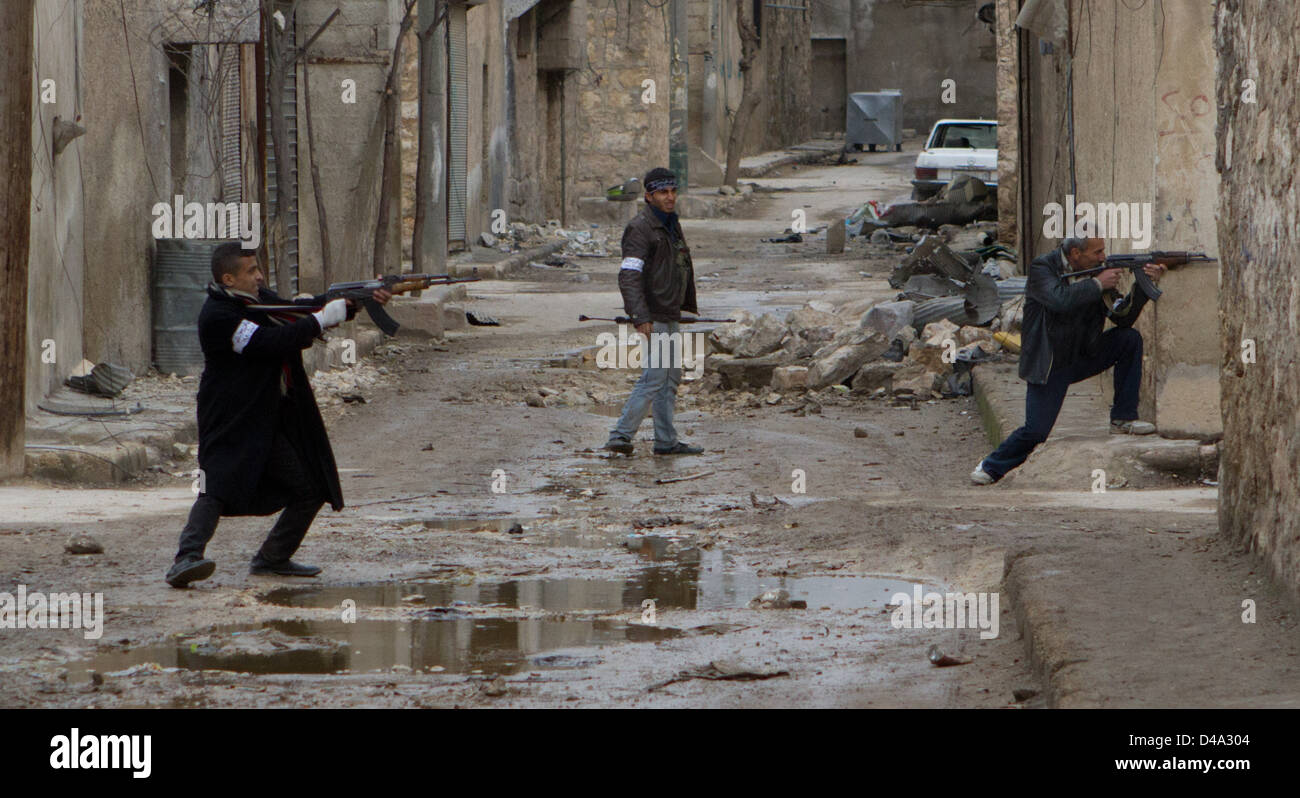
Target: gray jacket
[{"x": 1063, "y": 320}]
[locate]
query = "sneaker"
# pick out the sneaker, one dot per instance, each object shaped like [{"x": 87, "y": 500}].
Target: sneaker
[
  {"x": 981, "y": 477},
  {"x": 190, "y": 570},
  {"x": 680, "y": 448},
  {"x": 619, "y": 446},
  {"x": 1132, "y": 427},
  {"x": 260, "y": 567}
]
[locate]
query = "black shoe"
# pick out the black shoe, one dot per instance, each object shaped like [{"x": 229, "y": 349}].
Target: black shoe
[
  {"x": 189, "y": 570},
  {"x": 260, "y": 567},
  {"x": 680, "y": 448},
  {"x": 619, "y": 446}
]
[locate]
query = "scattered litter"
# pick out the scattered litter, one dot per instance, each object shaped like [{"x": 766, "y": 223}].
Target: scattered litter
[
  {"x": 942, "y": 660},
  {"x": 789, "y": 238},
  {"x": 724, "y": 670},
  {"x": 478, "y": 319},
  {"x": 667, "y": 480}
]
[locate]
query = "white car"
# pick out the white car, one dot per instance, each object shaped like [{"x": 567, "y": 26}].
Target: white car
[{"x": 957, "y": 146}]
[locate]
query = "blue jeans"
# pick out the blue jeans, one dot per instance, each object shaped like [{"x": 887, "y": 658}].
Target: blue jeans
[
  {"x": 657, "y": 390},
  {"x": 1120, "y": 347}
]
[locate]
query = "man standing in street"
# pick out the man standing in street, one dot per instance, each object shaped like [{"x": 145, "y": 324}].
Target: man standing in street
[
  {"x": 657, "y": 281},
  {"x": 1064, "y": 344},
  {"x": 262, "y": 443}
]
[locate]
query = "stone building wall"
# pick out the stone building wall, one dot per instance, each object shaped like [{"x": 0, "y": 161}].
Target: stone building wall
[{"x": 1259, "y": 295}]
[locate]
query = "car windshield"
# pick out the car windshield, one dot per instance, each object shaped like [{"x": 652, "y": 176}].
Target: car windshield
[{"x": 963, "y": 136}]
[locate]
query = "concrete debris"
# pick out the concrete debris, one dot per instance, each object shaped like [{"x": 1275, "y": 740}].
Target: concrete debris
[
  {"x": 778, "y": 599},
  {"x": 889, "y": 317},
  {"x": 83, "y": 544},
  {"x": 764, "y": 337},
  {"x": 789, "y": 378}
]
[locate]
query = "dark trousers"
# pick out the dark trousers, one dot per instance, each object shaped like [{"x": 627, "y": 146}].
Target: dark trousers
[
  {"x": 285, "y": 476},
  {"x": 1120, "y": 347}
]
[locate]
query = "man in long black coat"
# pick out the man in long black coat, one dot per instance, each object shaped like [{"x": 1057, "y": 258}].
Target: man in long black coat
[{"x": 262, "y": 443}]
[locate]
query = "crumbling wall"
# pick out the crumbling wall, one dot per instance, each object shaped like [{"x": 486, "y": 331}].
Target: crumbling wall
[{"x": 1259, "y": 294}]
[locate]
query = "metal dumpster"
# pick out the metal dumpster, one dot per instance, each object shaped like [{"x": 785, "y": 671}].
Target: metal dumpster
[{"x": 874, "y": 118}]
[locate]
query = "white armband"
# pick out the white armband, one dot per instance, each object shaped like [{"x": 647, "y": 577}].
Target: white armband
[
  {"x": 243, "y": 333},
  {"x": 634, "y": 264}
]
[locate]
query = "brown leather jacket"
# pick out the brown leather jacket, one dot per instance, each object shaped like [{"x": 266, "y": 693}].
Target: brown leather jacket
[{"x": 656, "y": 277}]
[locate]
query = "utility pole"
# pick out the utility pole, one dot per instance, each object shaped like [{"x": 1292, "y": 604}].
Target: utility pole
[
  {"x": 429, "y": 244},
  {"x": 15, "y": 228}
]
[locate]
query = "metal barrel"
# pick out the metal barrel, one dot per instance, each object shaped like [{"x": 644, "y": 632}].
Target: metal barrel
[{"x": 181, "y": 273}]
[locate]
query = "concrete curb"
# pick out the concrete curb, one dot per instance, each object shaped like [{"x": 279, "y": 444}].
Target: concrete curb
[
  {"x": 505, "y": 266},
  {"x": 81, "y": 463},
  {"x": 799, "y": 157},
  {"x": 1042, "y": 620}
]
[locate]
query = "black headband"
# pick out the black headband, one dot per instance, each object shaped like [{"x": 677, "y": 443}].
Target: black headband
[{"x": 661, "y": 183}]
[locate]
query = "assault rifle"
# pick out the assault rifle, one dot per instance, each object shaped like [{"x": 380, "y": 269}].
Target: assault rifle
[
  {"x": 1135, "y": 262},
  {"x": 361, "y": 292},
  {"x": 626, "y": 320}
]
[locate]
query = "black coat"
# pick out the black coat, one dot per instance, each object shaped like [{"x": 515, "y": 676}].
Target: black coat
[
  {"x": 241, "y": 406},
  {"x": 1063, "y": 320}
]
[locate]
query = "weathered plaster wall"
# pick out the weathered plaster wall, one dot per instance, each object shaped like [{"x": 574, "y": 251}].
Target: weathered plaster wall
[
  {"x": 349, "y": 138},
  {"x": 1259, "y": 298},
  {"x": 889, "y": 40},
  {"x": 56, "y": 259},
  {"x": 125, "y": 169}
]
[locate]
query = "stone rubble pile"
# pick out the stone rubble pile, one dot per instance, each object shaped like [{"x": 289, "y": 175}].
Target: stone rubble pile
[
  {"x": 878, "y": 350},
  {"x": 595, "y": 242}
]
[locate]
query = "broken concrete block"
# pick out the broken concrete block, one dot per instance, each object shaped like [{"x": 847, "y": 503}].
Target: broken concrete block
[
  {"x": 487, "y": 239},
  {"x": 765, "y": 337},
  {"x": 888, "y": 318},
  {"x": 936, "y": 332},
  {"x": 931, "y": 356},
  {"x": 726, "y": 190},
  {"x": 873, "y": 376},
  {"x": 845, "y": 360},
  {"x": 821, "y": 306},
  {"x": 812, "y": 325},
  {"x": 969, "y": 335},
  {"x": 729, "y": 336},
  {"x": 916, "y": 380},
  {"x": 835, "y": 236},
  {"x": 789, "y": 378},
  {"x": 748, "y": 372}
]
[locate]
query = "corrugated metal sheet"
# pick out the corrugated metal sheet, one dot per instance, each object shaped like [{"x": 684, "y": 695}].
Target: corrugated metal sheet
[
  {"x": 182, "y": 270},
  {"x": 457, "y": 123},
  {"x": 289, "y": 102},
  {"x": 232, "y": 177}
]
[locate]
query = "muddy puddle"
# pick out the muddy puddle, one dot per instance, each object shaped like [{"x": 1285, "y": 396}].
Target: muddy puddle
[
  {"x": 449, "y": 627},
  {"x": 452, "y": 645}
]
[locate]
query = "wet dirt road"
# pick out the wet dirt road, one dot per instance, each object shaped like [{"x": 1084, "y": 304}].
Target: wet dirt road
[{"x": 492, "y": 555}]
